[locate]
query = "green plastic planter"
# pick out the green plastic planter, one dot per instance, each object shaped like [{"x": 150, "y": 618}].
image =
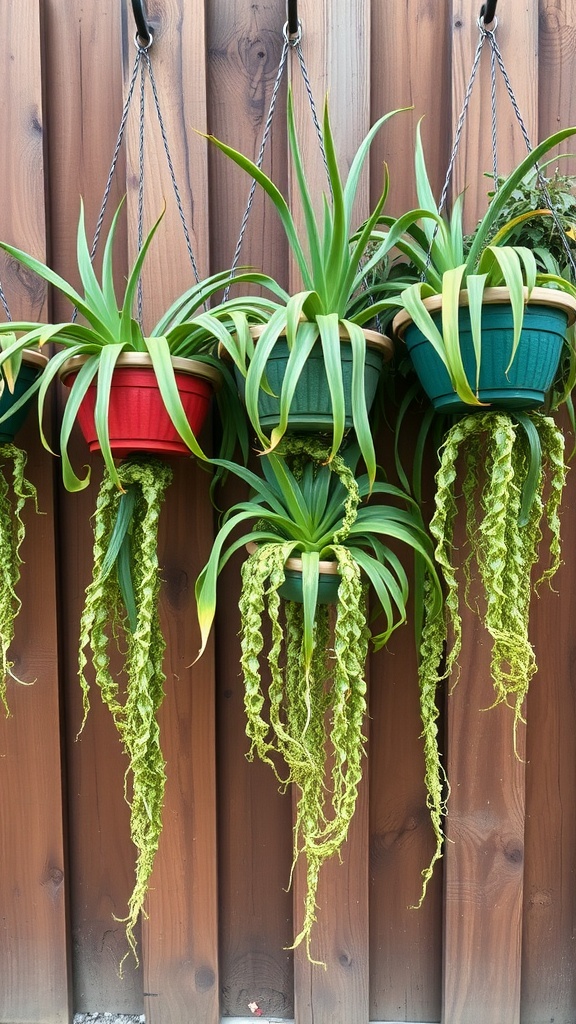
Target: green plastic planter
[
  {"x": 32, "y": 365},
  {"x": 311, "y": 408},
  {"x": 328, "y": 582},
  {"x": 528, "y": 380}
]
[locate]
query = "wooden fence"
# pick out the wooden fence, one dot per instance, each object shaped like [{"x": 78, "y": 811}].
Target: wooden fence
[{"x": 494, "y": 942}]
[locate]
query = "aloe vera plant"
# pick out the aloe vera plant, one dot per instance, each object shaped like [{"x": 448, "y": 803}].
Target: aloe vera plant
[
  {"x": 316, "y": 510},
  {"x": 339, "y": 295},
  {"x": 111, "y": 330},
  {"x": 449, "y": 264}
]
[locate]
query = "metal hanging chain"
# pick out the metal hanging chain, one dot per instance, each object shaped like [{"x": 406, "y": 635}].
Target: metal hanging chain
[
  {"x": 142, "y": 63},
  {"x": 495, "y": 57},
  {"x": 293, "y": 41},
  {"x": 4, "y": 303}
]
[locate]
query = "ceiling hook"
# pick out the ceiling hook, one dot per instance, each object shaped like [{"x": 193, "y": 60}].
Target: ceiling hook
[
  {"x": 144, "y": 35},
  {"x": 488, "y": 12}
]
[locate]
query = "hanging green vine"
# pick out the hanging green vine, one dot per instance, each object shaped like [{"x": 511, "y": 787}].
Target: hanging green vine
[
  {"x": 105, "y": 619},
  {"x": 12, "y": 533},
  {"x": 521, "y": 491}
]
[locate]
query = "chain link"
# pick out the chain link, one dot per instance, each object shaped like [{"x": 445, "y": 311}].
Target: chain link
[{"x": 293, "y": 42}]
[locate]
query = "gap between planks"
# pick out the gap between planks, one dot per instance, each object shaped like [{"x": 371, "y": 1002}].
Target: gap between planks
[{"x": 286, "y": 1020}]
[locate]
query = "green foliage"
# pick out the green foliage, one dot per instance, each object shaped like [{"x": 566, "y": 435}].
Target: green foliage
[
  {"x": 505, "y": 511},
  {"x": 12, "y": 533},
  {"x": 104, "y": 621},
  {"x": 436, "y": 246},
  {"x": 340, "y": 293},
  {"x": 307, "y": 721},
  {"x": 109, "y": 331}
]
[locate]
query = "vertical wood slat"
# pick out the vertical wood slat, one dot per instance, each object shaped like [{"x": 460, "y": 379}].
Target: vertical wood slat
[
  {"x": 409, "y": 43},
  {"x": 485, "y": 824},
  {"x": 548, "y": 977},
  {"x": 84, "y": 93},
  {"x": 180, "y": 937},
  {"x": 254, "y": 824},
  {"x": 34, "y": 969},
  {"x": 517, "y": 34},
  {"x": 336, "y": 47}
]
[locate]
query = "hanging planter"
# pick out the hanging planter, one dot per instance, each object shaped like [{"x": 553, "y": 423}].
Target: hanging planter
[
  {"x": 318, "y": 535},
  {"x": 292, "y": 588},
  {"x": 32, "y": 365},
  {"x": 502, "y": 380},
  {"x": 311, "y": 405},
  {"x": 137, "y": 416},
  {"x": 308, "y": 369}
]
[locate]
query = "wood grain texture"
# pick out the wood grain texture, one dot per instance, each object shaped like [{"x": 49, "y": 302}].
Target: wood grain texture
[
  {"x": 409, "y": 43},
  {"x": 254, "y": 823},
  {"x": 178, "y": 60},
  {"x": 33, "y": 935},
  {"x": 484, "y": 852},
  {"x": 517, "y": 37},
  {"x": 180, "y": 937},
  {"x": 84, "y": 69}
]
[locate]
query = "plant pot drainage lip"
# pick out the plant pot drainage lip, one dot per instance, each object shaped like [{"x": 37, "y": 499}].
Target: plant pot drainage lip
[
  {"x": 324, "y": 568},
  {"x": 374, "y": 340},
  {"x": 30, "y": 357},
  {"x": 491, "y": 297},
  {"x": 141, "y": 360}
]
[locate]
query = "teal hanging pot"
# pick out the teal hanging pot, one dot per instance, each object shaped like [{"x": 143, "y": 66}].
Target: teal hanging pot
[
  {"x": 32, "y": 365},
  {"x": 311, "y": 407},
  {"x": 525, "y": 384}
]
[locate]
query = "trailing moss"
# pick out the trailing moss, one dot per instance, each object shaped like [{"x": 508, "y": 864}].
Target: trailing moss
[
  {"x": 105, "y": 622},
  {"x": 504, "y": 539},
  {"x": 12, "y": 534}
]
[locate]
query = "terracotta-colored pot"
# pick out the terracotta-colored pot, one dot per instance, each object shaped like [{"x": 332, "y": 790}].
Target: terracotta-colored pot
[{"x": 137, "y": 417}]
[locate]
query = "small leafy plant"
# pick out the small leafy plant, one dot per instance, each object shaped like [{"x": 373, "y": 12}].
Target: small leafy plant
[
  {"x": 436, "y": 247},
  {"x": 339, "y": 295},
  {"x": 314, "y": 686},
  {"x": 110, "y": 330}
]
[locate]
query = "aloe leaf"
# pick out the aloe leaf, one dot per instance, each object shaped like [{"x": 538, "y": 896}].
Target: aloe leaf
[
  {"x": 132, "y": 283},
  {"x": 451, "y": 288},
  {"x": 119, "y": 531},
  {"x": 108, "y": 289},
  {"x": 159, "y": 352},
  {"x": 358, "y": 398},
  {"x": 126, "y": 582},
  {"x": 57, "y": 282},
  {"x": 310, "y": 579},
  {"x": 475, "y": 285},
  {"x": 307, "y": 338},
  {"x": 107, "y": 365},
  {"x": 312, "y": 233},
  {"x": 92, "y": 291},
  {"x": 530, "y": 487},
  {"x": 330, "y": 338},
  {"x": 86, "y": 374}
]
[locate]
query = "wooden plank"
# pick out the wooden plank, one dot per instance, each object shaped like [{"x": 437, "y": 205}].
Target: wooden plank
[
  {"x": 84, "y": 72},
  {"x": 336, "y": 48},
  {"x": 33, "y": 935},
  {"x": 180, "y": 937},
  {"x": 405, "y": 944},
  {"x": 413, "y": 37},
  {"x": 484, "y": 854},
  {"x": 254, "y": 822},
  {"x": 517, "y": 35}
]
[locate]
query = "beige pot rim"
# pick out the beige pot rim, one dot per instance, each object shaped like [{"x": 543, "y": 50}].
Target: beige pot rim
[
  {"x": 30, "y": 357},
  {"x": 141, "y": 360},
  {"x": 324, "y": 568},
  {"x": 493, "y": 297},
  {"x": 380, "y": 342}
]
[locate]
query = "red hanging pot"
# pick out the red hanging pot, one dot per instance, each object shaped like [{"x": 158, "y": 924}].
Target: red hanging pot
[{"x": 137, "y": 416}]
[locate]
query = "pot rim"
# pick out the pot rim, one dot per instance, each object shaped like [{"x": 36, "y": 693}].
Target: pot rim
[
  {"x": 142, "y": 360},
  {"x": 326, "y": 568},
  {"x": 492, "y": 297},
  {"x": 31, "y": 357},
  {"x": 374, "y": 339}
]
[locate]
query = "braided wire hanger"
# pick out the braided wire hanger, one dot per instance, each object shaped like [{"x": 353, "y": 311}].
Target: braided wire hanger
[
  {"x": 142, "y": 64},
  {"x": 293, "y": 41},
  {"x": 489, "y": 35}
]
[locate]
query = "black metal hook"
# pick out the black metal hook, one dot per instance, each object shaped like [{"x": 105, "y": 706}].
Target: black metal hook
[
  {"x": 488, "y": 12},
  {"x": 292, "y": 17},
  {"x": 143, "y": 29}
]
